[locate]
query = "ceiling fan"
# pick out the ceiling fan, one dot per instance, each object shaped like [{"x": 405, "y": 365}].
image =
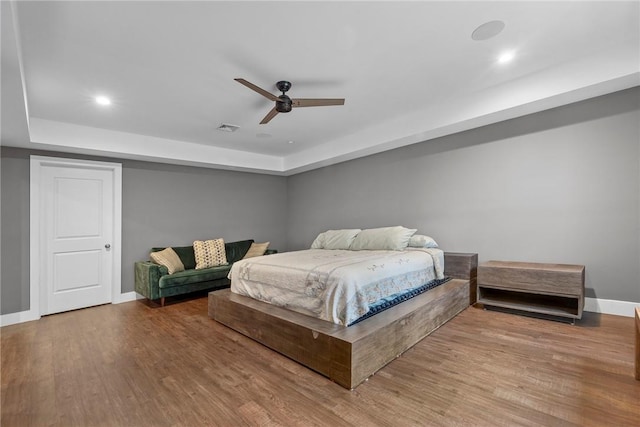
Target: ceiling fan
[{"x": 284, "y": 104}]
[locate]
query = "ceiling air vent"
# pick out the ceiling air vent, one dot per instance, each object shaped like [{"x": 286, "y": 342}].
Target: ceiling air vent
[{"x": 226, "y": 127}]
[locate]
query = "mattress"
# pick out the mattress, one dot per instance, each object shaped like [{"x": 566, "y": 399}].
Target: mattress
[{"x": 338, "y": 286}]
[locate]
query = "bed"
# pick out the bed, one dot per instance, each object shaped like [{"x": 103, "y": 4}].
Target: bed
[
  {"x": 339, "y": 286},
  {"x": 315, "y": 333}
]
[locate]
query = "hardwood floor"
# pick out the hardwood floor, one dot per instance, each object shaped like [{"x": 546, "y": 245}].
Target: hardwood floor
[{"x": 135, "y": 365}]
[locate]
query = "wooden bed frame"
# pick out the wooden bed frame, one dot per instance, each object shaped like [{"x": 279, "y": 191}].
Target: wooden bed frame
[{"x": 349, "y": 355}]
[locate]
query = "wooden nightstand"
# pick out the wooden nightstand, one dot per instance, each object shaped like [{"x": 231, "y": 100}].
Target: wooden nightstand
[{"x": 550, "y": 289}]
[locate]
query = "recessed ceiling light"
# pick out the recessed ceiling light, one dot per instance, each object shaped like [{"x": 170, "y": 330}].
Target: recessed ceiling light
[
  {"x": 103, "y": 100},
  {"x": 487, "y": 30},
  {"x": 506, "y": 56},
  {"x": 291, "y": 142}
]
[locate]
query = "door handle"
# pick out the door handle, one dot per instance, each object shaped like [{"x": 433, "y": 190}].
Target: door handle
[{"x": 107, "y": 246}]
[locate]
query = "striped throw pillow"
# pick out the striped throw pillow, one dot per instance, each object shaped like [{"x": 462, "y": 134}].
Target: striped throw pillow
[
  {"x": 169, "y": 258},
  {"x": 256, "y": 249}
]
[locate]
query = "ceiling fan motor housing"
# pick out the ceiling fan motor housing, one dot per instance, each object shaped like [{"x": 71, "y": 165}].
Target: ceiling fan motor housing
[{"x": 284, "y": 104}]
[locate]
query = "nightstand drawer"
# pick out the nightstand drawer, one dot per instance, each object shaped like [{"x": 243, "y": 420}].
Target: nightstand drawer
[{"x": 561, "y": 279}]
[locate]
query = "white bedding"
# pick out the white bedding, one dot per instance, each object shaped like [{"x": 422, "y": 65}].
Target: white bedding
[{"x": 334, "y": 285}]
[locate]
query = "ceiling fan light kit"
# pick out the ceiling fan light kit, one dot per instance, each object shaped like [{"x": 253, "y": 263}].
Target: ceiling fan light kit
[{"x": 284, "y": 104}]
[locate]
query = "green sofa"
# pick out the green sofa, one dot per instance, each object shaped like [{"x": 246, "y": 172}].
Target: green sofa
[{"x": 153, "y": 281}]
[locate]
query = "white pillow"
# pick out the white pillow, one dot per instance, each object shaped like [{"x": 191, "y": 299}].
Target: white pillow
[
  {"x": 318, "y": 243},
  {"x": 385, "y": 238},
  {"x": 422, "y": 241},
  {"x": 335, "y": 239}
]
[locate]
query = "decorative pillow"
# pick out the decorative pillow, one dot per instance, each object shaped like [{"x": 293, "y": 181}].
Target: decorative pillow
[
  {"x": 185, "y": 253},
  {"x": 335, "y": 239},
  {"x": 209, "y": 253},
  {"x": 318, "y": 243},
  {"x": 384, "y": 238},
  {"x": 169, "y": 258},
  {"x": 422, "y": 241},
  {"x": 256, "y": 249}
]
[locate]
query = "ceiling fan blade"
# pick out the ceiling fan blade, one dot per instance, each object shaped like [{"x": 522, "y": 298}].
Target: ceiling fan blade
[
  {"x": 270, "y": 115},
  {"x": 314, "y": 102},
  {"x": 261, "y": 91}
]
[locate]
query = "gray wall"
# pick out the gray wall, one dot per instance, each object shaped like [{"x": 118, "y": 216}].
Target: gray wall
[
  {"x": 161, "y": 205},
  {"x": 557, "y": 186},
  {"x": 14, "y": 234}
]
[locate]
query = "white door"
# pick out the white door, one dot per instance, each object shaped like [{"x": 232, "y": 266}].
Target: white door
[{"x": 77, "y": 233}]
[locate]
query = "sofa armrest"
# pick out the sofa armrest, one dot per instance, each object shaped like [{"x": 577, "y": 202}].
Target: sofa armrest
[{"x": 148, "y": 277}]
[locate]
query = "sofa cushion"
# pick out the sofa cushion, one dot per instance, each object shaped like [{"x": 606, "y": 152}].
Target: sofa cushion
[
  {"x": 209, "y": 253},
  {"x": 188, "y": 277},
  {"x": 186, "y": 255},
  {"x": 237, "y": 250},
  {"x": 169, "y": 259},
  {"x": 256, "y": 249}
]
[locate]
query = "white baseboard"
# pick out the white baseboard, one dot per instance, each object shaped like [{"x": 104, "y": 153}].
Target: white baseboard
[
  {"x": 27, "y": 316},
  {"x": 19, "y": 317},
  {"x": 126, "y": 297},
  {"x": 609, "y": 306}
]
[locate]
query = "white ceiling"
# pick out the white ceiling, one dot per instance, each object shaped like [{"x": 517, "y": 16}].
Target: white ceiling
[{"x": 409, "y": 71}]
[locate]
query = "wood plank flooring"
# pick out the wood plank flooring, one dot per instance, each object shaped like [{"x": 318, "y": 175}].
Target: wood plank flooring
[{"x": 134, "y": 364}]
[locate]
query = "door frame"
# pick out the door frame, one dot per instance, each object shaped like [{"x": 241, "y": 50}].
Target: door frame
[{"x": 36, "y": 237}]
